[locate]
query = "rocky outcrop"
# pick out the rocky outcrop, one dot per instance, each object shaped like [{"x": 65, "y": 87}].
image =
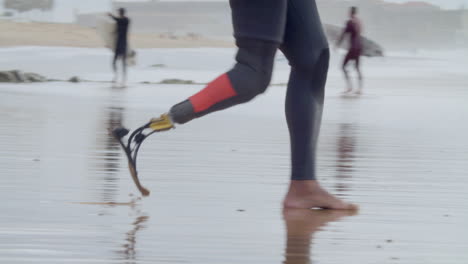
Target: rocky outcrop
[
  {"x": 176, "y": 81},
  {"x": 74, "y": 79},
  {"x": 16, "y": 76},
  {"x": 159, "y": 65}
]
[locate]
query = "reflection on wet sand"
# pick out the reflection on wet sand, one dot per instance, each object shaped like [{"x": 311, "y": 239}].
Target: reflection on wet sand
[
  {"x": 406, "y": 166},
  {"x": 129, "y": 252},
  {"x": 301, "y": 225},
  {"x": 110, "y": 157},
  {"x": 345, "y": 155},
  {"x": 111, "y": 160}
]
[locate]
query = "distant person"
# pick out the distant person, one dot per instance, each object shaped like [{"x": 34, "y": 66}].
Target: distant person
[
  {"x": 353, "y": 28},
  {"x": 261, "y": 27},
  {"x": 120, "y": 51}
]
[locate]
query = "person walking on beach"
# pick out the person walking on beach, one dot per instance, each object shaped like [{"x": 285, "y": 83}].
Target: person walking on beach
[
  {"x": 353, "y": 28},
  {"x": 262, "y": 27},
  {"x": 120, "y": 51}
]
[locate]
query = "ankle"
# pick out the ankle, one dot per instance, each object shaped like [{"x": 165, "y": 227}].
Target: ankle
[{"x": 303, "y": 187}]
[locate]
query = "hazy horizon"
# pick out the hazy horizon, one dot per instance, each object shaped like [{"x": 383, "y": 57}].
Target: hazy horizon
[{"x": 446, "y": 4}]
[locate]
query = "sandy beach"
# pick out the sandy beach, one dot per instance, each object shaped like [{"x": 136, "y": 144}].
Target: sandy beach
[
  {"x": 71, "y": 35},
  {"x": 399, "y": 151}
]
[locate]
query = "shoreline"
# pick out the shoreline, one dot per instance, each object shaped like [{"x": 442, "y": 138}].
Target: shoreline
[{"x": 15, "y": 34}]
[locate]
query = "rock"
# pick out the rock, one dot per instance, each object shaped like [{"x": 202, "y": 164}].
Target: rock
[
  {"x": 19, "y": 76},
  {"x": 34, "y": 77},
  {"x": 7, "y": 76},
  {"x": 176, "y": 81},
  {"x": 74, "y": 79},
  {"x": 16, "y": 76},
  {"x": 159, "y": 65}
]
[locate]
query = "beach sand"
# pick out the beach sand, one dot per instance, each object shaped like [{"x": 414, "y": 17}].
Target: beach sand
[
  {"x": 71, "y": 35},
  {"x": 399, "y": 151}
]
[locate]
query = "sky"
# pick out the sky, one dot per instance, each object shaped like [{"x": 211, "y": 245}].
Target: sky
[
  {"x": 64, "y": 10},
  {"x": 448, "y": 4},
  {"x": 452, "y": 4}
]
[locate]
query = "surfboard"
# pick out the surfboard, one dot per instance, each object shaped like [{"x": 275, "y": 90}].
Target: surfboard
[
  {"x": 370, "y": 48},
  {"x": 107, "y": 29}
]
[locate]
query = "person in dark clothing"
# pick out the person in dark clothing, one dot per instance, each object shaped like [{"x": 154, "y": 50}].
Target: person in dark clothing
[
  {"x": 120, "y": 51},
  {"x": 261, "y": 27},
  {"x": 353, "y": 28}
]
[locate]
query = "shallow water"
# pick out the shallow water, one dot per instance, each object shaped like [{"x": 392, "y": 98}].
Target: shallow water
[{"x": 400, "y": 151}]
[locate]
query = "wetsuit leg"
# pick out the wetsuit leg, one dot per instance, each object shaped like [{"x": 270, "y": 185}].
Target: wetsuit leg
[
  {"x": 351, "y": 55},
  {"x": 306, "y": 49},
  {"x": 347, "y": 59},
  {"x": 124, "y": 66},
  {"x": 358, "y": 69},
  {"x": 248, "y": 78},
  {"x": 258, "y": 29},
  {"x": 114, "y": 62},
  {"x": 357, "y": 60},
  {"x": 120, "y": 52}
]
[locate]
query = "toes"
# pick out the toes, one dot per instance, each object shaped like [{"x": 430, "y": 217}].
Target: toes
[
  {"x": 342, "y": 206},
  {"x": 350, "y": 206}
]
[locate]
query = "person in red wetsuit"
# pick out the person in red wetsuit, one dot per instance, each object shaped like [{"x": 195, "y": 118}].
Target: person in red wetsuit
[{"x": 353, "y": 28}]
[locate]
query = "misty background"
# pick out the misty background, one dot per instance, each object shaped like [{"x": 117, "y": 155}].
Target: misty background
[{"x": 395, "y": 24}]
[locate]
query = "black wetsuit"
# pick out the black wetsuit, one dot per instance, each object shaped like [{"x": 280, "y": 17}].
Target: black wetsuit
[
  {"x": 121, "y": 41},
  {"x": 261, "y": 27},
  {"x": 122, "y": 30}
]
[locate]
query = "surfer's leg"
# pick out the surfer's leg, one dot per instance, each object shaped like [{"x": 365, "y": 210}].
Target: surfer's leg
[
  {"x": 258, "y": 29},
  {"x": 124, "y": 68},
  {"x": 114, "y": 65},
  {"x": 360, "y": 77},
  {"x": 249, "y": 77},
  {"x": 349, "y": 85},
  {"x": 306, "y": 49}
]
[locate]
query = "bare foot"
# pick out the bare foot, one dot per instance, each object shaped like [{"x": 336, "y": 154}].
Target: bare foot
[{"x": 309, "y": 194}]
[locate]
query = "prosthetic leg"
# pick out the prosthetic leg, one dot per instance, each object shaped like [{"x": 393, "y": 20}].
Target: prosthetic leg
[{"x": 133, "y": 143}]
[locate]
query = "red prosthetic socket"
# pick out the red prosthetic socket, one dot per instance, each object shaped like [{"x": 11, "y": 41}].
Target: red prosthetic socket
[{"x": 217, "y": 91}]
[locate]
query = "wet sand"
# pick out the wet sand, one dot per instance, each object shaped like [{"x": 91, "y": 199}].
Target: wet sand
[{"x": 400, "y": 151}]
